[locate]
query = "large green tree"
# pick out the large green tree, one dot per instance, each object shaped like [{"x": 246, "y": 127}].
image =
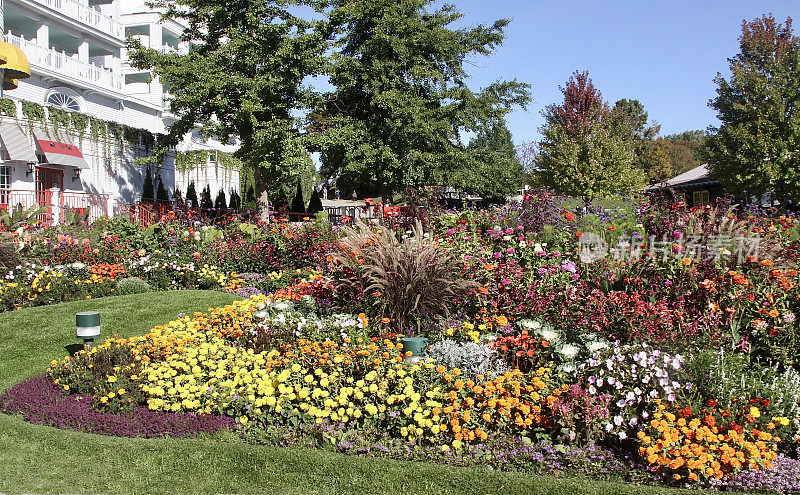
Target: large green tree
[
  {"x": 757, "y": 145},
  {"x": 493, "y": 170},
  {"x": 242, "y": 77},
  {"x": 583, "y": 151},
  {"x": 401, "y": 101},
  {"x": 629, "y": 119}
]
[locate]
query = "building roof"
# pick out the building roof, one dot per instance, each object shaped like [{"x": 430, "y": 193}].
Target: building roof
[{"x": 694, "y": 177}]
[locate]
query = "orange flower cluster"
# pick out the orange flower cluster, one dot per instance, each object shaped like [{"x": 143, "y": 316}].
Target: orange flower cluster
[
  {"x": 313, "y": 285},
  {"x": 329, "y": 355},
  {"x": 107, "y": 270},
  {"x": 781, "y": 277},
  {"x": 692, "y": 447},
  {"x": 521, "y": 351},
  {"x": 234, "y": 284},
  {"x": 511, "y": 402}
]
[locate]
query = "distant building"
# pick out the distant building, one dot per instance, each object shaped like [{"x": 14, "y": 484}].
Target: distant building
[
  {"x": 695, "y": 187},
  {"x": 84, "y": 117}
]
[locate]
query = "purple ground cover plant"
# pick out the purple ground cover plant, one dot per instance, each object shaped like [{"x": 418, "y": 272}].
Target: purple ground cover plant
[
  {"x": 40, "y": 401},
  {"x": 784, "y": 477}
]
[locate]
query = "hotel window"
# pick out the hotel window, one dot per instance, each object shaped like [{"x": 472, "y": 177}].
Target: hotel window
[{"x": 65, "y": 99}]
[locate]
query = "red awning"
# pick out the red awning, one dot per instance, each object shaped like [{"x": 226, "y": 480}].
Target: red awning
[{"x": 59, "y": 151}]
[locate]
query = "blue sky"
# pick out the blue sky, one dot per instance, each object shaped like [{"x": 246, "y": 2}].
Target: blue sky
[{"x": 663, "y": 53}]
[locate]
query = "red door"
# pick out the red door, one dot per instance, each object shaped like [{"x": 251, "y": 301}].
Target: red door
[{"x": 45, "y": 179}]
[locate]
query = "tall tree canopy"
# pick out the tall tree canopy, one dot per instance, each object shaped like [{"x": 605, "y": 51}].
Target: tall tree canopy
[
  {"x": 757, "y": 145},
  {"x": 493, "y": 171},
  {"x": 242, "y": 76},
  {"x": 586, "y": 149},
  {"x": 401, "y": 100},
  {"x": 629, "y": 119}
]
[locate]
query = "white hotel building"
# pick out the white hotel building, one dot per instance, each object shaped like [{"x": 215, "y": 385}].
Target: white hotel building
[{"x": 78, "y": 62}]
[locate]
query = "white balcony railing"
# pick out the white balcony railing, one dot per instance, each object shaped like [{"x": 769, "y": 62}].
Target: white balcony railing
[
  {"x": 86, "y": 15},
  {"x": 67, "y": 65}
]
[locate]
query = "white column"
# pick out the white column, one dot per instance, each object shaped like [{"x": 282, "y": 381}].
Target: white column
[
  {"x": 155, "y": 36},
  {"x": 43, "y": 36},
  {"x": 83, "y": 52},
  {"x": 55, "y": 204}
]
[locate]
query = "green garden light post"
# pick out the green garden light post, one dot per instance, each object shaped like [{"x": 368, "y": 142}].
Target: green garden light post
[{"x": 88, "y": 326}]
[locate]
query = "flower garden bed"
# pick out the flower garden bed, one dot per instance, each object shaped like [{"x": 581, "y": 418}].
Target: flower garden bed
[{"x": 672, "y": 369}]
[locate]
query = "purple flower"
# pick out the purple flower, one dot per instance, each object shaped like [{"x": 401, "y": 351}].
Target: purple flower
[{"x": 40, "y": 401}]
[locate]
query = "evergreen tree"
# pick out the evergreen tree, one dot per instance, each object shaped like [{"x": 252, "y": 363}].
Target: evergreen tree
[
  {"x": 250, "y": 202},
  {"x": 315, "y": 204},
  {"x": 161, "y": 193},
  {"x": 177, "y": 197},
  {"x": 494, "y": 172},
  {"x": 236, "y": 200},
  {"x": 298, "y": 205},
  {"x": 401, "y": 99},
  {"x": 147, "y": 186},
  {"x": 220, "y": 202},
  {"x": 757, "y": 146},
  {"x": 191, "y": 196},
  {"x": 205, "y": 199}
]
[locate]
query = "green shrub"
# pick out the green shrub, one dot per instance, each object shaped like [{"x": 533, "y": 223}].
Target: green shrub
[{"x": 132, "y": 285}]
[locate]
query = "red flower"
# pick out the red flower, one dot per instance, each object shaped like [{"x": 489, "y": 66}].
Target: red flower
[
  {"x": 578, "y": 234},
  {"x": 685, "y": 412},
  {"x": 569, "y": 216},
  {"x": 711, "y": 403}
]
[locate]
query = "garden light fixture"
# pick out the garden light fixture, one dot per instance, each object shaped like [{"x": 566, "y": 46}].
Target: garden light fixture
[{"x": 88, "y": 326}]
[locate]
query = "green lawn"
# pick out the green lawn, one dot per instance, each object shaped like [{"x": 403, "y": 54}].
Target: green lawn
[{"x": 46, "y": 460}]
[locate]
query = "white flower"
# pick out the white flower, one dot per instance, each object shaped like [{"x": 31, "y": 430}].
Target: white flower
[
  {"x": 623, "y": 435},
  {"x": 596, "y": 346},
  {"x": 569, "y": 351},
  {"x": 522, "y": 244},
  {"x": 506, "y": 238},
  {"x": 617, "y": 420},
  {"x": 549, "y": 335},
  {"x": 281, "y": 306}
]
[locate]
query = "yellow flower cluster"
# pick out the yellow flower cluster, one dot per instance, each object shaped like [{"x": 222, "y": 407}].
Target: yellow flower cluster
[
  {"x": 213, "y": 276},
  {"x": 467, "y": 332}
]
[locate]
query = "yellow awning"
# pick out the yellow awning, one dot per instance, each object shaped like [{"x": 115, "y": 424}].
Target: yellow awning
[{"x": 16, "y": 65}]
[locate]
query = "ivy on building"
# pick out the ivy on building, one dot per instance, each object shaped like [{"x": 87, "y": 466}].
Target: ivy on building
[
  {"x": 8, "y": 108},
  {"x": 190, "y": 160},
  {"x": 106, "y": 133}
]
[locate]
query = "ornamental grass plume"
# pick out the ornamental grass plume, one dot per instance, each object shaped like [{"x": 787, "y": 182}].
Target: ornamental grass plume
[{"x": 415, "y": 280}]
